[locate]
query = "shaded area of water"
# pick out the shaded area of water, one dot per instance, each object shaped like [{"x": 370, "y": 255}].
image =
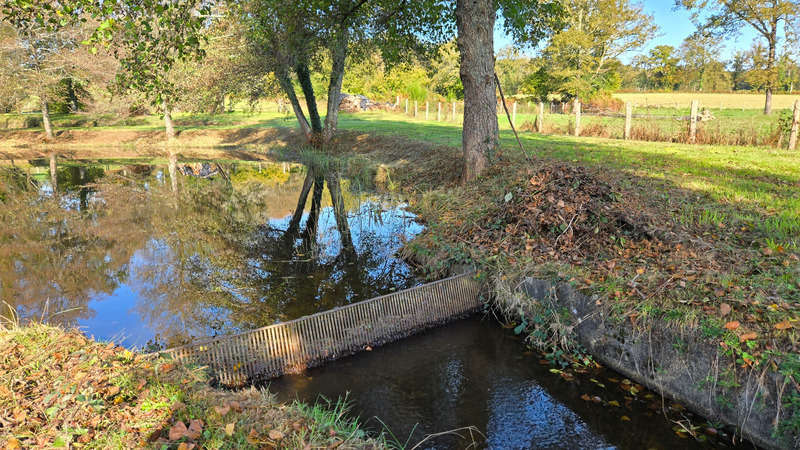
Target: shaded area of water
[
  {"x": 473, "y": 373},
  {"x": 158, "y": 254}
]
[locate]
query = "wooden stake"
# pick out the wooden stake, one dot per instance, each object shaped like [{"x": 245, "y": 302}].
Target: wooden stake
[
  {"x": 406, "y": 106},
  {"x": 577, "y": 117},
  {"x": 454, "y": 111},
  {"x": 628, "y": 119},
  {"x": 693, "y": 122},
  {"x": 795, "y": 126},
  {"x": 426, "y": 110},
  {"x": 540, "y": 118},
  {"x": 514, "y": 114},
  {"x": 438, "y": 111}
]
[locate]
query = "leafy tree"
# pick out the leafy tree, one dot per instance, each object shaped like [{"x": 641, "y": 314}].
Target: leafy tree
[
  {"x": 149, "y": 37},
  {"x": 445, "y": 79},
  {"x": 702, "y": 71},
  {"x": 596, "y": 32},
  {"x": 738, "y": 70},
  {"x": 38, "y": 38},
  {"x": 769, "y": 18}
]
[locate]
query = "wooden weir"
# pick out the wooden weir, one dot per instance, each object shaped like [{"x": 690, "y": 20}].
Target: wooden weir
[{"x": 291, "y": 347}]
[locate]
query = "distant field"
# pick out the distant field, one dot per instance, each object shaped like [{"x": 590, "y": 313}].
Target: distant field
[{"x": 725, "y": 101}]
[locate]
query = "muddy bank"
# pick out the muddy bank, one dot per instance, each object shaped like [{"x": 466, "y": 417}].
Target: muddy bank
[{"x": 678, "y": 363}]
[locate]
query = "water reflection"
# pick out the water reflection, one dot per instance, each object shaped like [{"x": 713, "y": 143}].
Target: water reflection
[{"x": 162, "y": 253}]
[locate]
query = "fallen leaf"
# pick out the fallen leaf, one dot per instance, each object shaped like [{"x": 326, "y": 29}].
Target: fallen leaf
[
  {"x": 614, "y": 403},
  {"x": 732, "y": 325},
  {"x": 236, "y": 406},
  {"x": 275, "y": 435},
  {"x": 195, "y": 429},
  {"x": 222, "y": 410},
  {"x": 640, "y": 270},
  {"x": 748, "y": 336},
  {"x": 13, "y": 444},
  {"x": 185, "y": 446},
  {"x": 252, "y": 437},
  {"x": 625, "y": 419},
  {"x": 724, "y": 309},
  {"x": 586, "y": 397},
  {"x": 229, "y": 429},
  {"x": 785, "y": 325},
  {"x": 177, "y": 431}
]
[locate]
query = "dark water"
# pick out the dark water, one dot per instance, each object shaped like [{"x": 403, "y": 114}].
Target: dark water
[
  {"x": 154, "y": 255},
  {"x": 473, "y": 373}
]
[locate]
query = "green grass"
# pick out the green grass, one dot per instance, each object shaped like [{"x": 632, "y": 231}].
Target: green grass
[{"x": 754, "y": 186}]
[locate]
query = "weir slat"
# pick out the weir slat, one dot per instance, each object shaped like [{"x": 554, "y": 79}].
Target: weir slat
[{"x": 274, "y": 350}]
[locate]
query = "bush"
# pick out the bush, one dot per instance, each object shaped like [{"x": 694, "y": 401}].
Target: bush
[{"x": 603, "y": 102}]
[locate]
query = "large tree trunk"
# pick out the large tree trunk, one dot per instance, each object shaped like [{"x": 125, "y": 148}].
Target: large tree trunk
[
  {"x": 169, "y": 125},
  {"x": 339, "y": 52},
  {"x": 48, "y": 126},
  {"x": 475, "y": 22}
]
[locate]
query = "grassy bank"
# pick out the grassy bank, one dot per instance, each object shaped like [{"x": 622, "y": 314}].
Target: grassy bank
[{"x": 61, "y": 389}]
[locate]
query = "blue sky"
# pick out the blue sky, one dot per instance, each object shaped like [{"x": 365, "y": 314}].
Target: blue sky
[{"x": 675, "y": 26}]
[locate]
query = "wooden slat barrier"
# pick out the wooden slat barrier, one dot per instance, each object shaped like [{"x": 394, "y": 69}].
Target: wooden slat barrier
[{"x": 309, "y": 341}]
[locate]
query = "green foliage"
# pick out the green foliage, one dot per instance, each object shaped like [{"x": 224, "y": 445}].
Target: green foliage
[
  {"x": 149, "y": 37},
  {"x": 579, "y": 55}
]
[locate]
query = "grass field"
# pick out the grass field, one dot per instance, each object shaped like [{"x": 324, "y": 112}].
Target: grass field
[{"x": 714, "y": 101}]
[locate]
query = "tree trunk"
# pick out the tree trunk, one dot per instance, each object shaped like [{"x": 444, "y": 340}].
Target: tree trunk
[
  {"x": 288, "y": 89},
  {"x": 53, "y": 172},
  {"x": 304, "y": 77},
  {"x": 339, "y": 211},
  {"x": 770, "y": 67},
  {"x": 72, "y": 96},
  {"x": 310, "y": 232},
  {"x": 475, "y": 22},
  {"x": 168, "y": 124},
  {"x": 294, "y": 223},
  {"x": 48, "y": 126},
  {"x": 339, "y": 52}
]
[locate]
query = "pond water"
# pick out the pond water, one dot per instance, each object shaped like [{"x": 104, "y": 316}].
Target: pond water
[{"x": 157, "y": 254}]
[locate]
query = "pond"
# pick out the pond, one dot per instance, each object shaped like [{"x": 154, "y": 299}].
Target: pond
[
  {"x": 151, "y": 255},
  {"x": 156, "y": 253}
]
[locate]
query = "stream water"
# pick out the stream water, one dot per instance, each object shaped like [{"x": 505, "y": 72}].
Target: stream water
[{"x": 154, "y": 255}]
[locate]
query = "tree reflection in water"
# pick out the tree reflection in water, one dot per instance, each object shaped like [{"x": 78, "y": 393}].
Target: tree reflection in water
[{"x": 191, "y": 249}]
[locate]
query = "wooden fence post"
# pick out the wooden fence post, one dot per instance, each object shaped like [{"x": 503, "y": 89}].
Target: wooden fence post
[
  {"x": 514, "y": 114},
  {"x": 416, "y": 108},
  {"x": 795, "y": 126},
  {"x": 628, "y": 118},
  {"x": 540, "y": 118},
  {"x": 426, "y": 110},
  {"x": 397, "y": 103},
  {"x": 438, "y": 111},
  {"x": 406, "y": 106},
  {"x": 454, "y": 111},
  {"x": 577, "y": 117},
  {"x": 693, "y": 122}
]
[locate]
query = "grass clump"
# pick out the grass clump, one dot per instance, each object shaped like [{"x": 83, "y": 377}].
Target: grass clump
[{"x": 60, "y": 389}]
